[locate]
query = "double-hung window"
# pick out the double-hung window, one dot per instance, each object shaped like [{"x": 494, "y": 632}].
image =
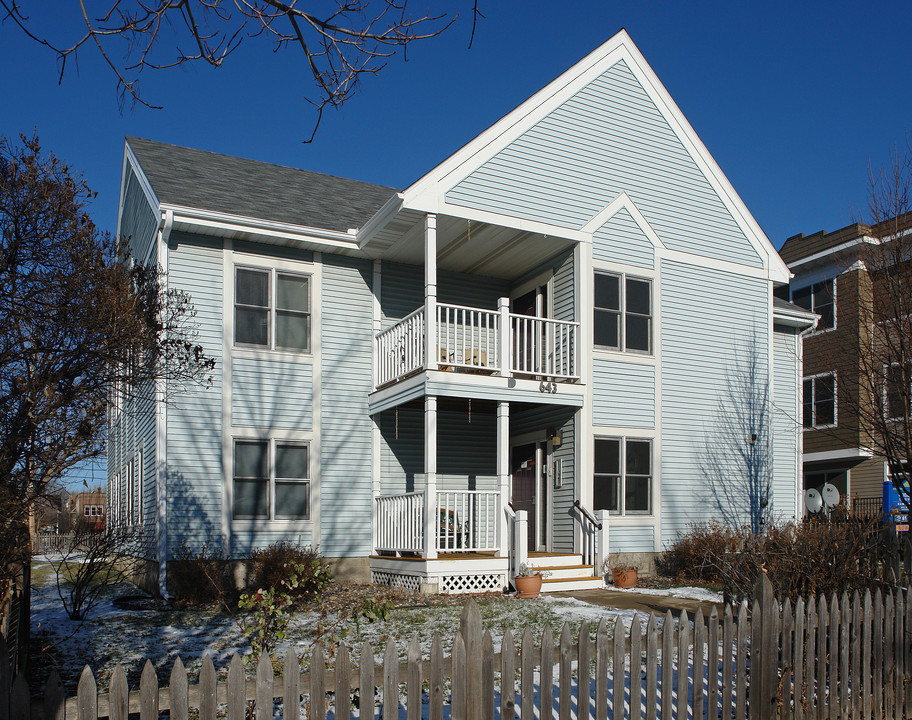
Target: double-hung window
[
  {"x": 819, "y": 401},
  {"x": 623, "y": 476},
  {"x": 818, "y": 298},
  {"x": 271, "y": 480},
  {"x": 272, "y": 309},
  {"x": 897, "y": 391},
  {"x": 623, "y": 312}
]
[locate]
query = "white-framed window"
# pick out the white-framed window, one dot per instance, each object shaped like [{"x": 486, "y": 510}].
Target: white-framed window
[
  {"x": 819, "y": 298},
  {"x": 623, "y": 476},
  {"x": 272, "y": 309},
  {"x": 271, "y": 479},
  {"x": 897, "y": 391},
  {"x": 623, "y": 312},
  {"x": 819, "y": 401}
]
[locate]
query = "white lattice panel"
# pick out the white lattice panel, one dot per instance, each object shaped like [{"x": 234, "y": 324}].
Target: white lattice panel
[
  {"x": 485, "y": 582},
  {"x": 396, "y": 580}
]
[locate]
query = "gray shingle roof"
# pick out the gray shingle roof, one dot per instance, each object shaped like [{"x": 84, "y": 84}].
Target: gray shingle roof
[{"x": 209, "y": 181}]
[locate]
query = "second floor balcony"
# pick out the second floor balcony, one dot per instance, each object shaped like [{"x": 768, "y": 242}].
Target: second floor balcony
[{"x": 475, "y": 340}]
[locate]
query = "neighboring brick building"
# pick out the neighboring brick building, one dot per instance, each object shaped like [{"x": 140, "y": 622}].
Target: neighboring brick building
[
  {"x": 831, "y": 279},
  {"x": 90, "y": 507}
]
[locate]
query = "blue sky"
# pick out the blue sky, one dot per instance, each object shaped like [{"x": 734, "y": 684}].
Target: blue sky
[{"x": 793, "y": 99}]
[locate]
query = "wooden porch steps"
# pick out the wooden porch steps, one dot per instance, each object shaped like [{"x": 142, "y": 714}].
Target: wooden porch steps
[{"x": 564, "y": 572}]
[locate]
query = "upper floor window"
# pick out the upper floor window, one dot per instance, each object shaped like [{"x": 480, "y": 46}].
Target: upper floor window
[
  {"x": 818, "y": 298},
  {"x": 623, "y": 312},
  {"x": 897, "y": 391},
  {"x": 271, "y": 480},
  {"x": 819, "y": 398},
  {"x": 272, "y": 309},
  {"x": 623, "y": 476}
]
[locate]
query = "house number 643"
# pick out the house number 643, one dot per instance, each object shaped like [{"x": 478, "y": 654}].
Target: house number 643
[{"x": 548, "y": 387}]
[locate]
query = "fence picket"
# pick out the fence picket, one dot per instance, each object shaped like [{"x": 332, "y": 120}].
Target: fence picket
[
  {"x": 584, "y": 674},
  {"x": 565, "y": 679},
  {"x": 823, "y": 621},
  {"x": 87, "y": 696},
  {"x": 810, "y": 652},
  {"x": 667, "y": 663},
  {"x": 487, "y": 676},
  {"x": 617, "y": 669},
  {"x": 833, "y": 653},
  {"x": 177, "y": 686},
  {"x": 699, "y": 664},
  {"x": 636, "y": 670},
  {"x": 601, "y": 671},
  {"x": 366, "y": 705},
  {"x": 682, "y": 664},
  {"x": 291, "y": 686},
  {"x": 652, "y": 647},
  {"x": 856, "y": 682},
  {"x": 148, "y": 693},
  {"x": 785, "y": 682},
  {"x": 342, "y": 691},
  {"x": 206, "y": 689},
  {"x": 264, "y": 688},
  {"x": 888, "y": 670},
  {"x": 798, "y": 659},
  {"x": 413, "y": 683},
  {"x": 54, "y": 698},
  {"x": 712, "y": 666},
  {"x": 20, "y": 699},
  {"x": 907, "y": 645},
  {"x": 845, "y": 619},
  {"x": 526, "y": 679},
  {"x": 867, "y": 627},
  {"x": 755, "y": 689},
  {"x": 470, "y": 629},
  {"x": 507, "y": 679},
  {"x": 458, "y": 683},
  {"x": 741, "y": 665},
  {"x": 899, "y": 659},
  {"x": 728, "y": 627},
  {"x": 546, "y": 673},
  {"x": 391, "y": 680},
  {"x": 877, "y": 671},
  {"x": 237, "y": 689},
  {"x": 118, "y": 695}
]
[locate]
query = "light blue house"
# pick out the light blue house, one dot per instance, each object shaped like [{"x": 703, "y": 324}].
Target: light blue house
[{"x": 537, "y": 338}]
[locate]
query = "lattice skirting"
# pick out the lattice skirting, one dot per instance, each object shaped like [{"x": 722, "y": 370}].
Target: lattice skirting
[
  {"x": 396, "y": 580},
  {"x": 482, "y": 582}
]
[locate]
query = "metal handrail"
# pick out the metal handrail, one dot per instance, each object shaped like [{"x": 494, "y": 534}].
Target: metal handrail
[{"x": 586, "y": 514}]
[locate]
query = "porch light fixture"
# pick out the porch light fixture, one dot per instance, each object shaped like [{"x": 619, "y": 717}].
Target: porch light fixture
[{"x": 554, "y": 438}]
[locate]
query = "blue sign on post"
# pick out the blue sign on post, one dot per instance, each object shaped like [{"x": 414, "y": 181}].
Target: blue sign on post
[{"x": 893, "y": 508}]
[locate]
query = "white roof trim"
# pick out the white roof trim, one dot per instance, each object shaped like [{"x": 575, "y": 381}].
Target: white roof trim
[
  {"x": 846, "y": 454},
  {"x": 426, "y": 194},
  {"x": 623, "y": 201}
]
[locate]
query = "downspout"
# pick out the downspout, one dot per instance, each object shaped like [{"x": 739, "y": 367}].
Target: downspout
[{"x": 161, "y": 429}]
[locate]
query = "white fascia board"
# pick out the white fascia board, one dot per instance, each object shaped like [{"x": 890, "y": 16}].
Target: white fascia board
[
  {"x": 379, "y": 220},
  {"x": 829, "y": 252},
  {"x": 846, "y": 454},
  {"x": 423, "y": 194},
  {"x": 623, "y": 201},
  {"x": 794, "y": 319},
  {"x": 258, "y": 226}
]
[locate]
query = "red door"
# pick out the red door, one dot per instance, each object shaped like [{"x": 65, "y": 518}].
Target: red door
[{"x": 524, "y": 474}]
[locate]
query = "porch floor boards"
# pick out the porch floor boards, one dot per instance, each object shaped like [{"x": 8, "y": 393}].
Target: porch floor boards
[{"x": 465, "y": 556}]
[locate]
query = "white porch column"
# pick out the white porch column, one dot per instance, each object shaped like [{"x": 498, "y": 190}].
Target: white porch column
[
  {"x": 431, "y": 351},
  {"x": 431, "y": 519},
  {"x": 506, "y": 337},
  {"x": 601, "y": 549},
  {"x": 503, "y": 476}
]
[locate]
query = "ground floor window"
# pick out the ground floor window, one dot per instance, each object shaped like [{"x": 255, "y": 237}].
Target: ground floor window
[
  {"x": 271, "y": 480},
  {"x": 623, "y": 476}
]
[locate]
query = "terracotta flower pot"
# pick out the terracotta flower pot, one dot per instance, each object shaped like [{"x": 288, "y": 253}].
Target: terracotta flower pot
[
  {"x": 624, "y": 578},
  {"x": 528, "y": 586}
]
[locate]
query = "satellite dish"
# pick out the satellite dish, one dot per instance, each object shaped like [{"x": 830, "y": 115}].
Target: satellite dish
[
  {"x": 813, "y": 501},
  {"x": 830, "y": 495}
]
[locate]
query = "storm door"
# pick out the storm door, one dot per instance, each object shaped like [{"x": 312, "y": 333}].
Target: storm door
[{"x": 527, "y": 464}]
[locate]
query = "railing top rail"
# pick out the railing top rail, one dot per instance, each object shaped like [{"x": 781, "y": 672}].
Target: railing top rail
[
  {"x": 452, "y": 306},
  {"x": 419, "y": 493},
  {"x": 545, "y": 319},
  {"x": 586, "y": 514},
  {"x": 419, "y": 311}
]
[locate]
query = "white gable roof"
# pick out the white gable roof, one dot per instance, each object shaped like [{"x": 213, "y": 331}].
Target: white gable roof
[{"x": 701, "y": 214}]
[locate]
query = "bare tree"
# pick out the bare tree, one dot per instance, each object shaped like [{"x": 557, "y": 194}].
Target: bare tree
[
  {"x": 876, "y": 376},
  {"x": 736, "y": 459},
  {"x": 341, "y": 40}
]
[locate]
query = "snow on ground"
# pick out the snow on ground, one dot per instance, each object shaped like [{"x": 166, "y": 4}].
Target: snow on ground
[
  {"x": 689, "y": 593},
  {"x": 114, "y": 635}
]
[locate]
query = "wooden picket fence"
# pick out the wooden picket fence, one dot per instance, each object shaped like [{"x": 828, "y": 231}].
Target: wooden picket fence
[{"x": 846, "y": 659}]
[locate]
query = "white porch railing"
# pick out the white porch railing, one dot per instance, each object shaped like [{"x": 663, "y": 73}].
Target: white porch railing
[
  {"x": 400, "y": 348},
  {"x": 541, "y": 346},
  {"x": 468, "y": 339},
  {"x": 466, "y": 521},
  {"x": 400, "y": 522}
]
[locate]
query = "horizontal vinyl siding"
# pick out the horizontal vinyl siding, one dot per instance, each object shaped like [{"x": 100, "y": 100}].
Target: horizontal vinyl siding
[
  {"x": 621, "y": 240},
  {"x": 194, "y": 470},
  {"x": 785, "y": 424},
  {"x": 607, "y": 139},
  {"x": 623, "y": 394},
  {"x": 346, "y": 430},
  {"x": 271, "y": 392},
  {"x": 564, "y": 290},
  {"x": 710, "y": 318},
  {"x": 138, "y": 221},
  {"x": 626, "y": 538}
]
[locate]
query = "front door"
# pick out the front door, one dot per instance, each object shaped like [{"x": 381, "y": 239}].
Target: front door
[{"x": 526, "y": 469}]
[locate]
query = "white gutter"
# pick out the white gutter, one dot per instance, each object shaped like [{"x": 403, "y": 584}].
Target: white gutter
[
  {"x": 825, "y": 254},
  {"x": 380, "y": 218},
  {"x": 794, "y": 319}
]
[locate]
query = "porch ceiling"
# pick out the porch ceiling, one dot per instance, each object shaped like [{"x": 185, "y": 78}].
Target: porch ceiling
[{"x": 467, "y": 246}]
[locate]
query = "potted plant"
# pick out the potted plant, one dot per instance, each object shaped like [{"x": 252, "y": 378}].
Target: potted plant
[
  {"x": 623, "y": 575},
  {"x": 528, "y": 581}
]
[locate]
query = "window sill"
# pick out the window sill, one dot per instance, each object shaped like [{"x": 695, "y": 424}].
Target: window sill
[
  {"x": 820, "y": 427},
  {"x": 245, "y": 525},
  {"x": 635, "y": 355},
  {"x": 256, "y": 353}
]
